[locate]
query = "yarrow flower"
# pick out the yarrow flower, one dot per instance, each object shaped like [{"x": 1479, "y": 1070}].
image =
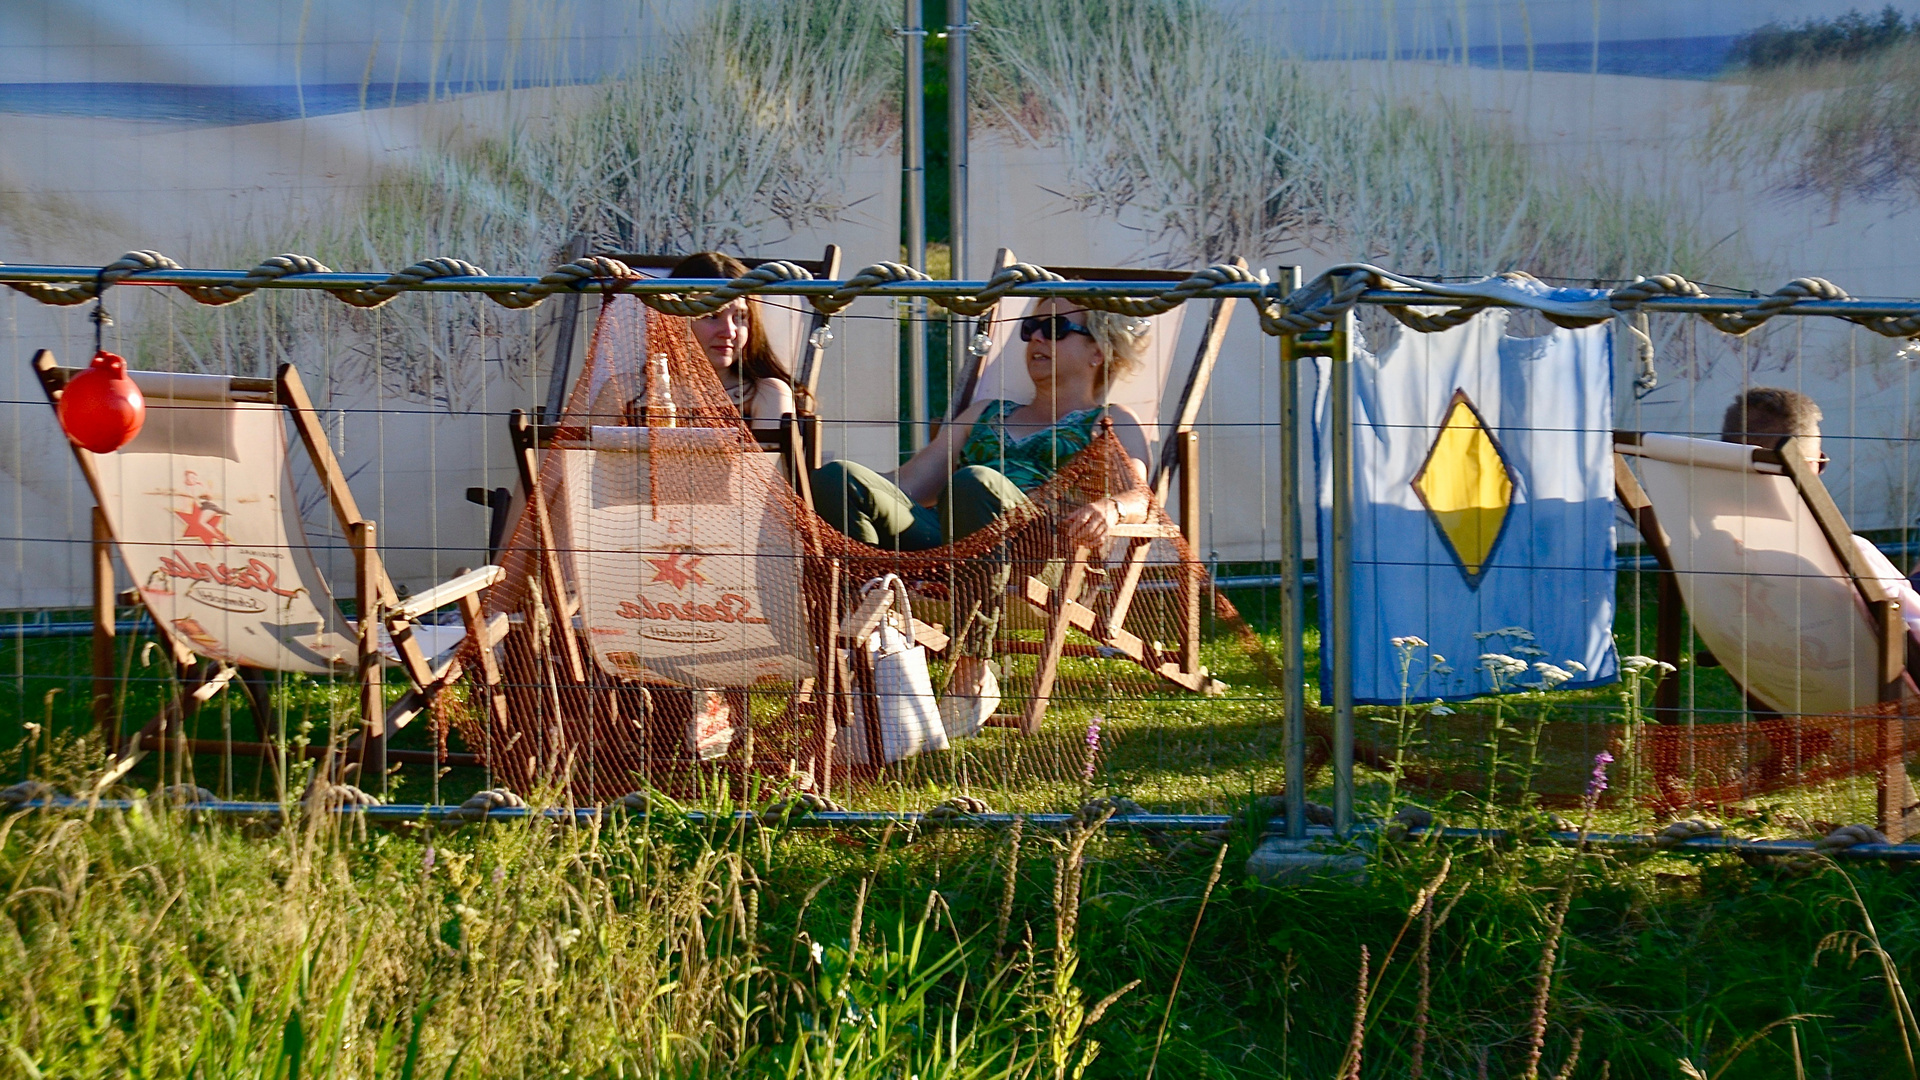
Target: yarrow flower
[
  {"x": 1409, "y": 642},
  {"x": 1637, "y": 664},
  {"x": 1550, "y": 676},
  {"x": 1438, "y": 708},
  {"x": 1500, "y": 665},
  {"x": 1518, "y": 633}
]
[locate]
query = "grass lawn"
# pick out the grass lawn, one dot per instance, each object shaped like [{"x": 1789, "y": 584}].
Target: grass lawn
[{"x": 158, "y": 945}]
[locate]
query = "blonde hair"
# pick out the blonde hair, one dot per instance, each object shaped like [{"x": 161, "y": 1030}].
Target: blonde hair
[{"x": 1122, "y": 340}]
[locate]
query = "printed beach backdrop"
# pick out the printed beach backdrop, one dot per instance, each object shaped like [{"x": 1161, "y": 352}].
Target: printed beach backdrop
[{"x": 1574, "y": 139}]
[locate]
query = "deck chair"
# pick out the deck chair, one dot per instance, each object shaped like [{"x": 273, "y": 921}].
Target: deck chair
[
  {"x": 1109, "y": 581},
  {"x": 1759, "y": 555},
  {"x": 792, "y": 334},
  {"x": 202, "y": 509},
  {"x": 687, "y": 570}
]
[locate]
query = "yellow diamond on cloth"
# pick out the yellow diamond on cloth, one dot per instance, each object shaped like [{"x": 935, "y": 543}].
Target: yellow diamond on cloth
[{"x": 1465, "y": 486}]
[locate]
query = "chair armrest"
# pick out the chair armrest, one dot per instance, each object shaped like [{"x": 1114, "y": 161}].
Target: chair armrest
[{"x": 446, "y": 593}]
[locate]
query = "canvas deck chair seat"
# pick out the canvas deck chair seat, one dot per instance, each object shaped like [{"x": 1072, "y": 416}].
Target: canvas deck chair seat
[
  {"x": 201, "y": 508},
  {"x": 680, "y": 569},
  {"x": 1088, "y": 594},
  {"x": 1779, "y": 591}
]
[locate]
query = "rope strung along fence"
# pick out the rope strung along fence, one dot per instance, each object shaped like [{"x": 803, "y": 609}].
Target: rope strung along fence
[
  {"x": 1329, "y": 296},
  {"x": 1422, "y": 306}
]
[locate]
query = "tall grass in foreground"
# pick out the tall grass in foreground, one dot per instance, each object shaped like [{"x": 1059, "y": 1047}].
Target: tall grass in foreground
[
  {"x": 158, "y": 946},
  {"x": 1210, "y": 145}
]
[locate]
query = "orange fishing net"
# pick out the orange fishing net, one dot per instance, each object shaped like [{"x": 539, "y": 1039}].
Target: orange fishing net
[{"x": 678, "y": 617}]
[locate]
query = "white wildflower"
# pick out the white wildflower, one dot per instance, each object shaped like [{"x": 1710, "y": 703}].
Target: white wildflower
[
  {"x": 1634, "y": 665},
  {"x": 1502, "y": 665},
  {"x": 1438, "y": 709},
  {"x": 1575, "y": 666},
  {"x": 818, "y": 951},
  {"x": 1550, "y": 676},
  {"x": 1408, "y": 642},
  {"x": 1436, "y": 658}
]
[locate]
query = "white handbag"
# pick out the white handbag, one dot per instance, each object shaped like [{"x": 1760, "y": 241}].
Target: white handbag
[{"x": 908, "y": 713}]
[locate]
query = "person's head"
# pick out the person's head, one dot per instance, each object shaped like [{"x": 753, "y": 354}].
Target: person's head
[
  {"x": 1067, "y": 343},
  {"x": 732, "y": 335},
  {"x": 1766, "y": 415}
]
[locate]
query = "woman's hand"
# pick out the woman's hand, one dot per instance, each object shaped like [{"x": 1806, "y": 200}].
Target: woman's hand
[{"x": 1090, "y": 525}]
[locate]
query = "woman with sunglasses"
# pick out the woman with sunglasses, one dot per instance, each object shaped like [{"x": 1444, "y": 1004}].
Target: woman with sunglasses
[
  {"x": 733, "y": 341},
  {"x": 982, "y": 464}
]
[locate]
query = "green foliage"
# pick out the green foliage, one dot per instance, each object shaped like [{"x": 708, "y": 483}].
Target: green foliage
[
  {"x": 1845, "y": 37},
  {"x": 164, "y": 947}
]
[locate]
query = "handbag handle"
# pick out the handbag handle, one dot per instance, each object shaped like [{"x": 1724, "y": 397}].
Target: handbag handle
[{"x": 900, "y": 603}]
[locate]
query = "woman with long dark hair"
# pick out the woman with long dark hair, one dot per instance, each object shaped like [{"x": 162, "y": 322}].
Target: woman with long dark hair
[{"x": 735, "y": 343}]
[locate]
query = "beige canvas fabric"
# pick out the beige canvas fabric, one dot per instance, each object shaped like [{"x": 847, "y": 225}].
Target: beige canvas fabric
[
  {"x": 686, "y": 568},
  {"x": 201, "y": 505},
  {"x": 1765, "y": 590}
]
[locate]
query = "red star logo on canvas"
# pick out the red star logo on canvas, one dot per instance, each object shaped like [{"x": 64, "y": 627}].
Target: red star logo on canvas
[
  {"x": 677, "y": 573},
  {"x": 203, "y": 524}
]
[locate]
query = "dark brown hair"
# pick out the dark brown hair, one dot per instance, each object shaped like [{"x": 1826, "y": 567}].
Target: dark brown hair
[
  {"x": 757, "y": 360},
  {"x": 1766, "y": 415}
]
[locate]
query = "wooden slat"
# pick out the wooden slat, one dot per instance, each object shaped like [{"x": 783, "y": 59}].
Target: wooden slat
[
  {"x": 1667, "y": 625},
  {"x": 553, "y": 577},
  {"x": 106, "y": 716},
  {"x": 447, "y": 592},
  {"x": 1057, "y": 625}
]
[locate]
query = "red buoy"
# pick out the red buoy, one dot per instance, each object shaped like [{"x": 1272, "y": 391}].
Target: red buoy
[{"x": 101, "y": 408}]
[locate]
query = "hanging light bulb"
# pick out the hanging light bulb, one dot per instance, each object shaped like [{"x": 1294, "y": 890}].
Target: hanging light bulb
[
  {"x": 981, "y": 344},
  {"x": 101, "y": 408},
  {"x": 821, "y": 337}
]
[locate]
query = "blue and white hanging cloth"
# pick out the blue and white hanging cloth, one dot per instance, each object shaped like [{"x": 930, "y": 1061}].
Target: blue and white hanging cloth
[{"x": 1483, "y": 512}]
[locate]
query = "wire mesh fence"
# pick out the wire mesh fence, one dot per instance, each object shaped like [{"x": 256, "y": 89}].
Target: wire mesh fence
[{"x": 1696, "y": 608}]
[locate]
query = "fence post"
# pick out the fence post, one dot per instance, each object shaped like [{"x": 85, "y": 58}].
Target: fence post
[
  {"x": 1293, "y": 623},
  {"x": 1335, "y": 563}
]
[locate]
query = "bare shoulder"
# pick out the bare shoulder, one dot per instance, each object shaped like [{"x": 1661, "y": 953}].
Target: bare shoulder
[{"x": 1122, "y": 416}]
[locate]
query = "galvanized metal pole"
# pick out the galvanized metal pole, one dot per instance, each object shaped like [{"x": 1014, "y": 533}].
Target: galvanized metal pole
[
  {"x": 914, "y": 166},
  {"x": 1292, "y": 590},
  {"x": 959, "y": 330},
  {"x": 1337, "y": 570}
]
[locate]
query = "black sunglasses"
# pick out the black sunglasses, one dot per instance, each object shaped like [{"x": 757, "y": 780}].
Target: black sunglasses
[{"x": 1050, "y": 327}]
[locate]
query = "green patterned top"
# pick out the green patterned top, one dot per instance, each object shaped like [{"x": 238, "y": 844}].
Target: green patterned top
[{"x": 1027, "y": 460}]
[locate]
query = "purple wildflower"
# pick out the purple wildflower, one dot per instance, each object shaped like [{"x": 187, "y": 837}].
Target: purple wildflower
[
  {"x": 1599, "y": 782},
  {"x": 499, "y": 874},
  {"x": 426, "y": 861},
  {"x": 1093, "y": 744}
]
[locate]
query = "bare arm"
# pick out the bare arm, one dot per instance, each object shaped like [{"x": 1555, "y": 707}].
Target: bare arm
[
  {"x": 927, "y": 472},
  {"x": 1089, "y": 525},
  {"x": 772, "y": 399}
]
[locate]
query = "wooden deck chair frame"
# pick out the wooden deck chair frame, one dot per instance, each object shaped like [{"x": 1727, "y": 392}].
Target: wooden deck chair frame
[
  {"x": 1896, "y": 653},
  {"x": 374, "y": 592},
  {"x": 804, "y": 434},
  {"x": 1179, "y": 460},
  {"x": 842, "y": 678},
  {"x": 806, "y": 374}
]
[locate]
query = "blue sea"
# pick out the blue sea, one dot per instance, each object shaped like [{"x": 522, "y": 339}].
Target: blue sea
[
  {"x": 218, "y": 105},
  {"x": 1657, "y": 58}
]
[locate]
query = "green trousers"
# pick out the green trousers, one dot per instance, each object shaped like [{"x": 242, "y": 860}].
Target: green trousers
[{"x": 873, "y": 510}]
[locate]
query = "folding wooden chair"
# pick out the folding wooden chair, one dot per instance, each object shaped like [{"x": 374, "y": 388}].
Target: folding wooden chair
[
  {"x": 698, "y": 584},
  {"x": 1754, "y": 547},
  {"x": 202, "y": 509},
  {"x": 1096, "y": 593},
  {"x": 792, "y": 333}
]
